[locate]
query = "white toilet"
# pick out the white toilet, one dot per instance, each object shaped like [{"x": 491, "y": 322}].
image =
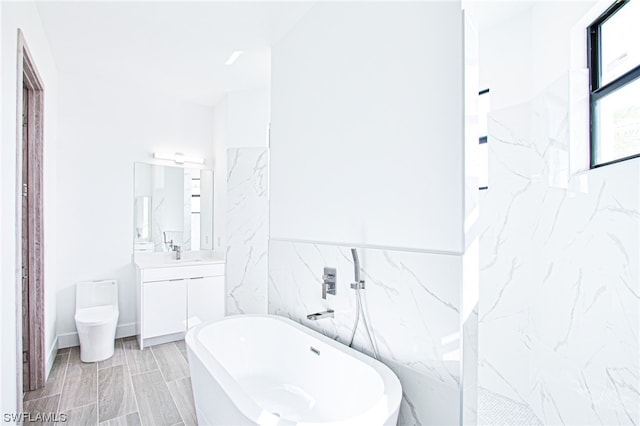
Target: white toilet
[{"x": 96, "y": 319}]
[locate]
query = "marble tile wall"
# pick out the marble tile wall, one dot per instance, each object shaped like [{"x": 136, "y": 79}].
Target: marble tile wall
[
  {"x": 413, "y": 302},
  {"x": 247, "y": 230},
  {"x": 469, "y": 325},
  {"x": 559, "y": 273}
]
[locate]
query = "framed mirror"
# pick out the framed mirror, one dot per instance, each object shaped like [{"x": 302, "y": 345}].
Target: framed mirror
[{"x": 173, "y": 206}]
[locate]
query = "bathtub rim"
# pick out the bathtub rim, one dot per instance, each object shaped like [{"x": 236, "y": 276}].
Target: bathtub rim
[{"x": 392, "y": 388}]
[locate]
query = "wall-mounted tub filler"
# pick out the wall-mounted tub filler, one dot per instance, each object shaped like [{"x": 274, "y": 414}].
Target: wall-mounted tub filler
[
  {"x": 320, "y": 315},
  {"x": 329, "y": 282}
]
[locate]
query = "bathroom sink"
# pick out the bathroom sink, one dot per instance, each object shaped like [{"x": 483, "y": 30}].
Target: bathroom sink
[
  {"x": 183, "y": 261},
  {"x": 158, "y": 260},
  {"x": 192, "y": 261}
]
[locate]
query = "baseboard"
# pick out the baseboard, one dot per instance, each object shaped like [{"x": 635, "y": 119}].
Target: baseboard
[
  {"x": 52, "y": 356},
  {"x": 151, "y": 341},
  {"x": 68, "y": 340}
]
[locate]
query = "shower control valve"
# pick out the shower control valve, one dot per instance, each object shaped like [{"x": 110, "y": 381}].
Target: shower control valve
[{"x": 329, "y": 282}]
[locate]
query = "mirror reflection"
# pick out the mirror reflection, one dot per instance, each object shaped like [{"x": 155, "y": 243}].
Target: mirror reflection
[{"x": 173, "y": 206}]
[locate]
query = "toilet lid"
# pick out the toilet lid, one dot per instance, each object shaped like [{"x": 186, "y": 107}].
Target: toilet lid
[{"x": 97, "y": 314}]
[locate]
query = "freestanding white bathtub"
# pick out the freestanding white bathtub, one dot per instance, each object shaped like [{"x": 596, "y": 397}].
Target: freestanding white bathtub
[{"x": 269, "y": 370}]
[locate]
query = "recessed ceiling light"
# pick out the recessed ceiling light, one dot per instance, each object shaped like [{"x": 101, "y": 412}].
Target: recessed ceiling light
[{"x": 233, "y": 57}]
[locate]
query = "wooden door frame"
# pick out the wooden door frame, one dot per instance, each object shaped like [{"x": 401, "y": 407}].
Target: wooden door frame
[{"x": 28, "y": 76}]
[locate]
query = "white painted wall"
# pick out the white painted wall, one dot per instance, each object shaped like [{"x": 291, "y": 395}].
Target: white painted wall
[
  {"x": 25, "y": 16},
  {"x": 367, "y": 124},
  {"x": 514, "y": 46},
  {"x": 367, "y": 150},
  {"x": 3, "y": 404},
  {"x": 249, "y": 113},
  {"x": 220, "y": 140},
  {"x": 104, "y": 129}
]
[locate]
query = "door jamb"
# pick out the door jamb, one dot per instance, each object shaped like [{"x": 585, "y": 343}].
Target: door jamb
[{"x": 27, "y": 74}]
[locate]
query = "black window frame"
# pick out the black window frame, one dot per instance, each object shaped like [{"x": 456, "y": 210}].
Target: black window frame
[
  {"x": 195, "y": 196},
  {"x": 598, "y": 91}
]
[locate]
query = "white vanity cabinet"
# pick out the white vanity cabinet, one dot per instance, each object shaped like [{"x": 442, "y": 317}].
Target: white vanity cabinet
[
  {"x": 164, "y": 308},
  {"x": 171, "y": 299},
  {"x": 204, "y": 301}
]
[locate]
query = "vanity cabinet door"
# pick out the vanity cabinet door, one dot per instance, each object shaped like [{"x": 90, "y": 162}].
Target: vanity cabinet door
[
  {"x": 164, "y": 307},
  {"x": 205, "y": 299}
]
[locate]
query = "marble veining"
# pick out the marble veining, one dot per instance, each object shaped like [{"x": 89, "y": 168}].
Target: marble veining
[
  {"x": 559, "y": 277},
  {"x": 414, "y": 306},
  {"x": 247, "y": 230}
]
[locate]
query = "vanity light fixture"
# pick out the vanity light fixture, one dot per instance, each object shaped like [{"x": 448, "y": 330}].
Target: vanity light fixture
[
  {"x": 233, "y": 57},
  {"x": 178, "y": 158}
]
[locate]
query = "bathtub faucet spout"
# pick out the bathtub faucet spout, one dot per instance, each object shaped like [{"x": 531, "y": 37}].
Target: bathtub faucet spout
[{"x": 319, "y": 315}]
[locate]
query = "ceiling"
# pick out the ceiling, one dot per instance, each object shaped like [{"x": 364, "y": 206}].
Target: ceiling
[
  {"x": 487, "y": 13},
  {"x": 176, "y": 49}
]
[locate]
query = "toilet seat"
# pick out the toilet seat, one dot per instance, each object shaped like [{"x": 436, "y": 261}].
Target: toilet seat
[{"x": 96, "y": 315}]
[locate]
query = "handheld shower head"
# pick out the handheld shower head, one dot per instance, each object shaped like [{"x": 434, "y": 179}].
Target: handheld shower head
[{"x": 356, "y": 264}]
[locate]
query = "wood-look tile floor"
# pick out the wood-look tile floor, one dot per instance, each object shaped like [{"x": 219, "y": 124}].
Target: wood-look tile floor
[{"x": 134, "y": 387}]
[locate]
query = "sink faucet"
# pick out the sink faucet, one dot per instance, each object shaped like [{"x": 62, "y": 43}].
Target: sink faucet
[
  {"x": 178, "y": 251},
  {"x": 320, "y": 315}
]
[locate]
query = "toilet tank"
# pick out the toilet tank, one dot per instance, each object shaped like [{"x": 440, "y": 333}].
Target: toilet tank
[{"x": 96, "y": 293}]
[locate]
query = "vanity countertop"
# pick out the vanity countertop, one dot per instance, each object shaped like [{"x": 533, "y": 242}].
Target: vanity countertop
[{"x": 167, "y": 260}]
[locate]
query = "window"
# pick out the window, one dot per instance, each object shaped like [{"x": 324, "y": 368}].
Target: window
[
  {"x": 614, "y": 77},
  {"x": 195, "y": 213},
  {"x": 483, "y": 130}
]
